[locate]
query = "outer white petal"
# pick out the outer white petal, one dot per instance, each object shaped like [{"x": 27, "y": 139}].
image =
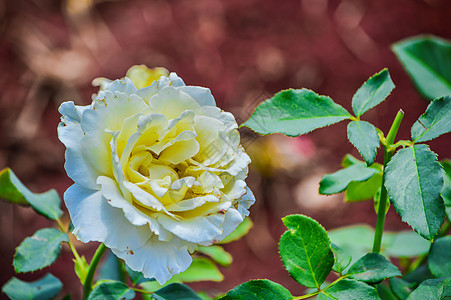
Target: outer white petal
[
  {"x": 246, "y": 202},
  {"x": 156, "y": 259},
  {"x": 231, "y": 221},
  {"x": 95, "y": 220},
  {"x": 202, "y": 95},
  {"x": 111, "y": 192},
  {"x": 124, "y": 85},
  {"x": 196, "y": 230},
  {"x": 77, "y": 165}
]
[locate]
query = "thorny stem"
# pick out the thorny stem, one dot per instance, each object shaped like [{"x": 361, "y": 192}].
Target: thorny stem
[
  {"x": 92, "y": 269},
  {"x": 388, "y": 153}
]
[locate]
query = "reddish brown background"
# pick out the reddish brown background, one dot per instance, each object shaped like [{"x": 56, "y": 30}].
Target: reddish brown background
[{"x": 243, "y": 50}]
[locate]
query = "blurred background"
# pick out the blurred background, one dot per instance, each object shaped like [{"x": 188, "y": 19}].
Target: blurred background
[{"x": 244, "y": 51}]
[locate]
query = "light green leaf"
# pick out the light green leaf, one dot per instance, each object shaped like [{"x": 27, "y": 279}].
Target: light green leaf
[
  {"x": 427, "y": 59},
  {"x": 414, "y": 180},
  {"x": 438, "y": 288},
  {"x": 176, "y": 291},
  {"x": 12, "y": 190},
  {"x": 372, "y": 92},
  {"x": 349, "y": 289},
  {"x": 111, "y": 268},
  {"x": 342, "y": 259},
  {"x": 218, "y": 254},
  {"x": 434, "y": 122},
  {"x": 81, "y": 268},
  {"x": 113, "y": 290},
  {"x": 305, "y": 250},
  {"x": 42, "y": 289},
  {"x": 349, "y": 160},
  {"x": 373, "y": 268},
  {"x": 201, "y": 269},
  {"x": 239, "y": 232},
  {"x": 39, "y": 250},
  {"x": 400, "y": 287},
  {"x": 337, "y": 182},
  {"x": 295, "y": 112},
  {"x": 364, "y": 137},
  {"x": 262, "y": 289},
  {"x": 407, "y": 244},
  {"x": 377, "y": 201},
  {"x": 439, "y": 260}
]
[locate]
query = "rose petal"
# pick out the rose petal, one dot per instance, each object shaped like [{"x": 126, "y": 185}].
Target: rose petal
[{"x": 202, "y": 95}]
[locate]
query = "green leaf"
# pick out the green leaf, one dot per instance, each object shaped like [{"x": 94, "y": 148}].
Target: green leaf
[
  {"x": 295, "y": 112},
  {"x": 176, "y": 291},
  {"x": 305, "y": 250},
  {"x": 434, "y": 122},
  {"x": 364, "y": 137},
  {"x": 439, "y": 260},
  {"x": 201, "y": 269},
  {"x": 418, "y": 275},
  {"x": 400, "y": 287},
  {"x": 39, "y": 250},
  {"x": 137, "y": 277},
  {"x": 427, "y": 59},
  {"x": 438, "y": 288},
  {"x": 414, "y": 180},
  {"x": 262, "y": 289},
  {"x": 349, "y": 289},
  {"x": 342, "y": 259},
  {"x": 349, "y": 160},
  {"x": 218, "y": 254},
  {"x": 12, "y": 190},
  {"x": 385, "y": 292},
  {"x": 407, "y": 244},
  {"x": 239, "y": 232},
  {"x": 42, "y": 289},
  {"x": 373, "y": 268},
  {"x": 111, "y": 268},
  {"x": 114, "y": 290},
  {"x": 372, "y": 92},
  {"x": 337, "y": 182},
  {"x": 377, "y": 201},
  {"x": 446, "y": 191}
]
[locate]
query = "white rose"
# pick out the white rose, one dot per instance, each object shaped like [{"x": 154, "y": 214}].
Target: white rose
[{"x": 157, "y": 171}]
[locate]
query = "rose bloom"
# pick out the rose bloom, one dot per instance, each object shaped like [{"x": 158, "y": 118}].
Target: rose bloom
[{"x": 158, "y": 170}]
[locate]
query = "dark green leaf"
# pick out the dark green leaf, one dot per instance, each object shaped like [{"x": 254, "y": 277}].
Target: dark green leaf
[
  {"x": 407, "y": 244},
  {"x": 12, "y": 190},
  {"x": 372, "y": 92},
  {"x": 137, "y": 277},
  {"x": 438, "y": 288},
  {"x": 434, "y": 122},
  {"x": 337, "y": 182},
  {"x": 349, "y": 289},
  {"x": 113, "y": 290},
  {"x": 295, "y": 112},
  {"x": 419, "y": 274},
  {"x": 239, "y": 232},
  {"x": 446, "y": 191},
  {"x": 39, "y": 250},
  {"x": 176, "y": 291},
  {"x": 112, "y": 268},
  {"x": 43, "y": 289},
  {"x": 201, "y": 269},
  {"x": 342, "y": 259},
  {"x": 414, "y": 180},
  {"x": 401, "y": 288},
  {"x": 373, "y": 268},
  {"x": 385, "y": 292},
  {"x": 439, "y": 260},
  {"x": 218, "y": 254},
  {"x": 305, "y": 250},
  {"x": 364, "y": 137},
  {"x": 258, "y": 290},
  {"x": 427, "y": 59}
]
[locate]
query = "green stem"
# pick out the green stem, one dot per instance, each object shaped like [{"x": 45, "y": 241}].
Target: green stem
[
  {"x": 71, "y": 245},
  {"x": 383, "y": 201},
  {"x": 317, "y": 292},
  {"x": 92, "y": 269}
]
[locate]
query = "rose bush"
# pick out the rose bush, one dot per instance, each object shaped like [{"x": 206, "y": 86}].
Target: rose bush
[{"x": 158, "y": 170}]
